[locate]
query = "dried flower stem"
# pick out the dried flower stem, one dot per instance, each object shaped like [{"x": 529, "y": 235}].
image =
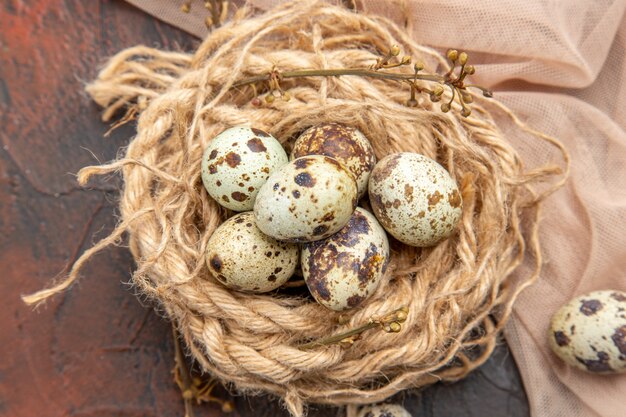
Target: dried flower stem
[
  {"x": 182, "y": 376},
  {"x": 341, "y": 71},
  {"x": 193, "y": 388},
  {"x": 391, "y": 323},
  {"x": 455, "y": 82},
  {"x": 215, "y": 12}
]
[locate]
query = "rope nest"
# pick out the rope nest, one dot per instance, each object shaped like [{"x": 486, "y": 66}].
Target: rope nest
[{"x": 458, "y": 293}]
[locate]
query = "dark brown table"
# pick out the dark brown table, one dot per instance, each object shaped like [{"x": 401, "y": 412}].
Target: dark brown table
[{"x": 95, "y": 350}]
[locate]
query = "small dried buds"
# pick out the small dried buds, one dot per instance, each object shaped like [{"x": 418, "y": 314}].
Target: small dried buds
[
  {"x": 463, "y": 58},
  {"x": 392, "y": 323},
  {"x": 457, "y": 85},
  {"x": 218, "y": 10},
  {"x": 436, "y": 93},
  {"x": 384, "y": 62},
  {"x": 452, "y": 54},
  {"x": 272, "y": 96},
  {"x": 275, "y": 90}
]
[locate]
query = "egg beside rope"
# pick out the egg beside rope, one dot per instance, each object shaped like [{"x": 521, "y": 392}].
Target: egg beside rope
[
  {"x": 415, "y": 199},
  {"x": 237, "y": 162},
  {"x": 344, "y": 143},
  {"x": 308, "y": 199},
  {"x": 242, "y": 258},
  {"x": 589, "y": 332},
  {"x": 344, "y": 269}
]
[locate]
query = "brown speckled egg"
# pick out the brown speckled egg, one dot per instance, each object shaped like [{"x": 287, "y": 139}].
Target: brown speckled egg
[
  {"x": 308, "y": 199},
  {"x": 384, "y": 410},
  {"x": 342, "y": 270},
  {"x": 344, "y": 143},
  {"x": 415, "y": 199},
  {"x": 237, "y": 162},
  {"x": 589, "y": 332},
  {"x": 243, "y": 258}
]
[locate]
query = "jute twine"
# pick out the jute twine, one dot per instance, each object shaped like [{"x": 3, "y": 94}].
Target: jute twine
[{"x": 458, "y": 293}]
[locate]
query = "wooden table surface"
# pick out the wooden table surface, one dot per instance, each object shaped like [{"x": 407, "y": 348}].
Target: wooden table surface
[{"x": 95, "y": 350}]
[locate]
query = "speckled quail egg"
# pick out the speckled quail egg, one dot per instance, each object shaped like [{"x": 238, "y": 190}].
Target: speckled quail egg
[
  {"x": 415, "y": 199},
  {"x": 342, "y": 270},
  {"x": 237, "y": 162},
  {"x": 384, "y": 410},
  {"x": 308, "y": 199},
  {"x": 242, "y": 258},
  {"x": 589, "y": 332},
  {"x": 344, "y": 143}
]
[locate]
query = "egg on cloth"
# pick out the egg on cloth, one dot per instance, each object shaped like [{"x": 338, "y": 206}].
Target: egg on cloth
[
  {"x": 237, "y": 162},
  {"x": 589, "y": 332},
  {"x": 308, "y": 199},
  {"x": 415, "y": 199},
  {"x": 342, "y": 270},
  {"x": 242, "y": 258},
  {"x": 344, "y": 143},
  {"x": 384, "y": 410}
]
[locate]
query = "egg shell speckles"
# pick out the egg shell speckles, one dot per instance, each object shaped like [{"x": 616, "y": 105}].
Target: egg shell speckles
[
  {"x": 415, "y": 199},
  {"x": 242, "y": 258},
  {"x": 344, "y": 143},
  {"x": 384, "y": 410},
  {"x": 589, "y": 332},
  {"x": 237, "y": 162},
  {"x": 342, "y": 270},
  {"x": 306, "y": 200}
]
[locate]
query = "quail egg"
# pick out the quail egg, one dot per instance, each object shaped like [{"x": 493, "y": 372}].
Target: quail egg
[
  {"x": 342, "y": 270},
  {"x": 242, "y": 258},
  {"x": 589, "y": 332},
  {"x": 308, "y": 199},
  {"x": 384, "y": 410},
  {"x": 237, "y": 162},
  {"x": 415, "y": 199},
  {"x": 344, "y": 143}
]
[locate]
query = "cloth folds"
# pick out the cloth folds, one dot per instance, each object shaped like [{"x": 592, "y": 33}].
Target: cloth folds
[{"x": 561, "y": 66}]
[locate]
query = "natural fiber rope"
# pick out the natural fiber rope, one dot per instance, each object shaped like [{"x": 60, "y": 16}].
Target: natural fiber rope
[{"x": 459, "y": 293}]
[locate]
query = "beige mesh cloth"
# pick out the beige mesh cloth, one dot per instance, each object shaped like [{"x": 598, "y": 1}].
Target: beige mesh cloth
[{"x": 561, "y": 65}]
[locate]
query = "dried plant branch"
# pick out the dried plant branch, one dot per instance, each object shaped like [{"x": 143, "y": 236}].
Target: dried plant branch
[
  {"x": 455, "y": 82},
  {"x": 391, "y": 323},
  {"x": 338, "y": 72},
  {"x": 194, "y": 388}
]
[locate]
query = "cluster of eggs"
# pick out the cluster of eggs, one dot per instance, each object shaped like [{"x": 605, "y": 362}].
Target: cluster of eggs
[{"x": 303, "y": 210}]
